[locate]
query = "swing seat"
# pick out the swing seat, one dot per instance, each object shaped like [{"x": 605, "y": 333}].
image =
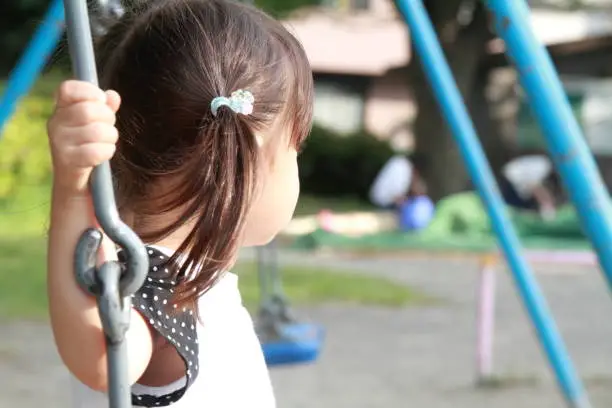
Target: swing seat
[{"x": 298, "y": 343}]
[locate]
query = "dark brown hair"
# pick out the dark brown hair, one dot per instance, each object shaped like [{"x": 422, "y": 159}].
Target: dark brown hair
[{"x": 168, "y": 59}]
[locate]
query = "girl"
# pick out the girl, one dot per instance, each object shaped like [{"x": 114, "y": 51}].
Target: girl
[{"x": 215, "y": 99}]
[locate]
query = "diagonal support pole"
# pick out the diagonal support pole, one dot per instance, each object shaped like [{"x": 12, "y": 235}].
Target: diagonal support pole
[
  {"x": 453, "y": 108},
  {"x": 33, "y": 60},
  {"x": 565, "y": 141}
]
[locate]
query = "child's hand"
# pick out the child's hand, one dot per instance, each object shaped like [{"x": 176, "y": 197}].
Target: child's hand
[{"x": 82, "y": 133}]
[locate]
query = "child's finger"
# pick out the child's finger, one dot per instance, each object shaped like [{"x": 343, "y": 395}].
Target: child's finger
[
  {"x": 73, "y": 91},
  {"x": 96, "y": 132},
  {"x": 83, "y": 113},
  {"x": 113, "y": 100},
  {"x": 89, "y": 155}
]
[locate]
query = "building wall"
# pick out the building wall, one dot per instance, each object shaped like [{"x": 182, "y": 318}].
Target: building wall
[
  {"x": 382, "y": 105},
  {"x": 346, "y": 44},
  {"x": 352, "y": 42},
  {"x": 383, "y": 8},
  {"x": 340, "y": 102},
  {"x": 389, "y": 109}
]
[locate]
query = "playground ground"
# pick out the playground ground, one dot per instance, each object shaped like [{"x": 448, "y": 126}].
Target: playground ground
[{"x": 421, "y": 356}]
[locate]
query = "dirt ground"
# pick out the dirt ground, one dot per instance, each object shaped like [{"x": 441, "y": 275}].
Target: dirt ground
[{"x": 414, "y": 357}]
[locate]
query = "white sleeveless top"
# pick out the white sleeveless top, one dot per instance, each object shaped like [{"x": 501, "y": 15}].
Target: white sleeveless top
[{"x": 226, "y": 371}]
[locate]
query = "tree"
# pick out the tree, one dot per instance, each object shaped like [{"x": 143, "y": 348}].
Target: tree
[
  {"x": 18, "y": 20},
  {"x": 464, "y": 32}
]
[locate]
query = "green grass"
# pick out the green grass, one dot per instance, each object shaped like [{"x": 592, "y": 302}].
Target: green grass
[
  {"x": 23, "y": 223},
  {"x": 308, "y": 286},
  {"x": 23, "y": 296},
  {"x": 309, "y": 205},
  {"x": 22, "y": 278}
]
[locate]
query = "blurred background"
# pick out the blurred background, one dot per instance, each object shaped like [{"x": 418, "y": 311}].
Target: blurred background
[{"x": 390, "y": 249}]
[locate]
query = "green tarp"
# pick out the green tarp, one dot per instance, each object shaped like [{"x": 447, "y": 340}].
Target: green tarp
[{"x": 462, "y": 224}]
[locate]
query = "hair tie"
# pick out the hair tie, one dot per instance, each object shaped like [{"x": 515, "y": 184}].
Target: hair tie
[{"x": 240, "y": 101}]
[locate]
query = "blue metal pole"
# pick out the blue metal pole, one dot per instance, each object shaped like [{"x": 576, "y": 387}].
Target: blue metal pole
[
  {"x": 32, "y": 61},
  {"x": 455, "y": 112},
  {"x": 566, "y": 144}
]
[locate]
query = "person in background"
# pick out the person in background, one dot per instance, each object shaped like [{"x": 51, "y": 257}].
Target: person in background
[
  {"x": 526, "y": 184},
  {"x": 400, "y": 186},
  {"x": 395, "y": 182}
]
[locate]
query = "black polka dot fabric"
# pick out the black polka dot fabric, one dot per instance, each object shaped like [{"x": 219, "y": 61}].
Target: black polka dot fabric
[{"x": 178, "y": 327}]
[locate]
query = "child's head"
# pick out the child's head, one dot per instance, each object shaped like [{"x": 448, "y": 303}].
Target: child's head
[{"x": 230, "y": 178}]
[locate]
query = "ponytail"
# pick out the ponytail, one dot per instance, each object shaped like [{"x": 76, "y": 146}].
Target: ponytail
[{"x": 218, "y": 189}]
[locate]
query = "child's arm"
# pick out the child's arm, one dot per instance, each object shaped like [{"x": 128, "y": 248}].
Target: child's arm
[{"x": 80, "y": 134}]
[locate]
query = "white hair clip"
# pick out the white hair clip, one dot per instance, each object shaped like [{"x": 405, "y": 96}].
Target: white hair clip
[{"x": 240, "y": 101}]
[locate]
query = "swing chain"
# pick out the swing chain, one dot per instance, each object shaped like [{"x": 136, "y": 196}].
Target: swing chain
[
  {"x": 274, "y": 310},
  {"x": 103, "y": 282},
  {"x": 114, "y": 311},
  {"x": 111, "y": 283},
  {"x": 101, "y": 181},
  {"x": 114, "y": 306}
]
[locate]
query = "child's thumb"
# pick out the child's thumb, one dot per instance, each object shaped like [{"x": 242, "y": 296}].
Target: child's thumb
[{"x": 113, "y": 100}]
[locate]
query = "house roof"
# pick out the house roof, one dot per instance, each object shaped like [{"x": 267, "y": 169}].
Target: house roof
[
  {"x": 367, "y": 44},
  {"x": 359, "y": 44}
]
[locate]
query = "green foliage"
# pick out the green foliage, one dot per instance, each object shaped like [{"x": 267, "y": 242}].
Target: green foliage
[
  {"x": 334, "y": 165},
  {"x": 18, "y": 21},
  {"x": 280, "y": 8},
  {"x": 24, "y": 152},
  {"x": 23, "y": 283}
]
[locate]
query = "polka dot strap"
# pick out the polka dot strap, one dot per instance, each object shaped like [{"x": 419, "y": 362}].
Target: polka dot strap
[{"x": 178, "y": 327}]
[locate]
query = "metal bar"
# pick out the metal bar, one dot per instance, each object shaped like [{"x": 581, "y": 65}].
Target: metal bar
[
  {"x": 33, "y": 60},
  {"x": 101, "y": 184},
  {"x": 277, "y": 285},
  {"x": 114, "y": 287},
  {"x": 109, "y": 302},
  {"x": 115, "y": 316},
  {"x": 449, "y": 98},
  {"x": 119, "y": 389},
  {"x": 565, "y": 141},
  {"x": 262, "y": 274}
]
